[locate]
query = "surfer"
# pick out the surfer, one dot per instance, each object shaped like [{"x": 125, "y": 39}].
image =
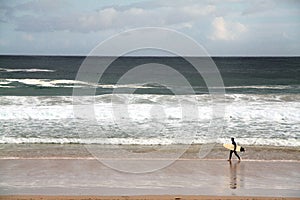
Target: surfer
[{"x": 233, "y": 151}]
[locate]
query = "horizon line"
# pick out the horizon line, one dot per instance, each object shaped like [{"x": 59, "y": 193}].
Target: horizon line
[{"x": 84, "y": 55}]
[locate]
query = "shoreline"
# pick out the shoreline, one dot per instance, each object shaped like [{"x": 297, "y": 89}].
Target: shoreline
[
  {"x": 80, "y": 151},
  {"x": 144, "y": 197}
]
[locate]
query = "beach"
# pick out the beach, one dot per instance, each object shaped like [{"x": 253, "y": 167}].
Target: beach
[
  {"x": 149, "y": 100},
  {"x": 80, "y": 151},
  {"x": 149, "y": 144},
  {"x": 69, "y": 171}
]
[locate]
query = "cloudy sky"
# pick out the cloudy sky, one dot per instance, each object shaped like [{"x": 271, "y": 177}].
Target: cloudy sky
[{"x": 70, "y": 27}]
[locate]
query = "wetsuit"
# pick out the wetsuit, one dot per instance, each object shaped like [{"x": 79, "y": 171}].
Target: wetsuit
[{"x": 233, "y": 151}]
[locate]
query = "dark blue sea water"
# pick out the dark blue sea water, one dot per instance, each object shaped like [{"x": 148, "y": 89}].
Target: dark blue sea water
[
  {"x": 55, "y": 75},
  {"x": 262, "y": 104}
]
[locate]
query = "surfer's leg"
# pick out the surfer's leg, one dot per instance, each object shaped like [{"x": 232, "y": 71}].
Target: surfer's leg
[
  {"x": 237, "y": 155},
  {"x": 230, "y": 155}
]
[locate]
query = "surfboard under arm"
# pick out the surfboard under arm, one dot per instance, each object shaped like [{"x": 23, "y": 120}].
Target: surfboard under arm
[{"x": 231, "y": 147}]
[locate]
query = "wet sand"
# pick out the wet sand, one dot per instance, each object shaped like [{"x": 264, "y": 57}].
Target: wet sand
[
  {"x": 148, "y": 197},
  {"x": 70, "y": 170},
  {"x": 79, "y": 151}
]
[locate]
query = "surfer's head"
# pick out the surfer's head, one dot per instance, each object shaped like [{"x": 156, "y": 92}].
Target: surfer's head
[{"x": 232, "y": 139}]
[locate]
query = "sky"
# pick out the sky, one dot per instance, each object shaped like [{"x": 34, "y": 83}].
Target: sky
[{"x": 222, "y": 27}]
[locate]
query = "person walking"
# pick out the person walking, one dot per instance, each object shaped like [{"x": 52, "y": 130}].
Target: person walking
[{"x": 233, "y": 151}]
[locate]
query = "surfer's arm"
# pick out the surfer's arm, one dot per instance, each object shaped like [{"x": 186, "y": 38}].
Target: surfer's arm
[{"x": 234, "y": 144}]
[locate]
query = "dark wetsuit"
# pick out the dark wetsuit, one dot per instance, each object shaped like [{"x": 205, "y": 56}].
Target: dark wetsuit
[{"x": 233, "y": 151}]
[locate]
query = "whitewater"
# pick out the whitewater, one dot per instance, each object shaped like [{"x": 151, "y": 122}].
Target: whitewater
[{"x": 152, "y": 119}]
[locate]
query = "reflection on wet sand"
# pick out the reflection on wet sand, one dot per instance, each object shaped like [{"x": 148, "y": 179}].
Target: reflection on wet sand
[{"x": 234, "y": 167}]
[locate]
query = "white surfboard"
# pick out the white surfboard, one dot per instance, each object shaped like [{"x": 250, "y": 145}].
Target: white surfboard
[{"x": 231, "y": 147}]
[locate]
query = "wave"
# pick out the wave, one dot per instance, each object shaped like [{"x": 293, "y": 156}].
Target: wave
[
  {"x": 241, "y": 112},
  {"x": 152, "y": 119},
  {"x": 32, "y": 70},
  {"x": 39, "y": 82},
  {"x": 112, "y": 141},
  {"x": 146, "y": 99},
  {"x": 272, "y": 87},
  {"x": 62, "y": 83},
  {"x": 56, "y": 83},
  {"x": 290, "y": 142}
]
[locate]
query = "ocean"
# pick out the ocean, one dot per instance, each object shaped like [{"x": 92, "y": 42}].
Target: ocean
[{"x": 262, "y": 103}]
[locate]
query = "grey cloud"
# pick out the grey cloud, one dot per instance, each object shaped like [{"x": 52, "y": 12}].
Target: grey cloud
[
  {"x": 113, "y": 17},
  {"x": 6, "y": 12},
  {"x": 259, "y": 7},
  {"x": 41, "y": 6}
]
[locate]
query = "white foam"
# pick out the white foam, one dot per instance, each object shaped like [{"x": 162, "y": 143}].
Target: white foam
[
  {"x": 50, "y": 82},
  {"x": 134, "y": 86},
  {"x": 151, "y": 118},
  {"x": 4, "y": 82},
  {"x": 141, "y": 105},
  {"x": 276, "y": 87},
  {"x": 113, "y": 141},
  {"x": 33, "y": 112},
  {"x": 68, "y": 83},
  {"x": 82, "y": 84},
  {"x": 291, "y": 142},
  {"x": 6, "y": 86},
  {"x": 26, "y": 70}
]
